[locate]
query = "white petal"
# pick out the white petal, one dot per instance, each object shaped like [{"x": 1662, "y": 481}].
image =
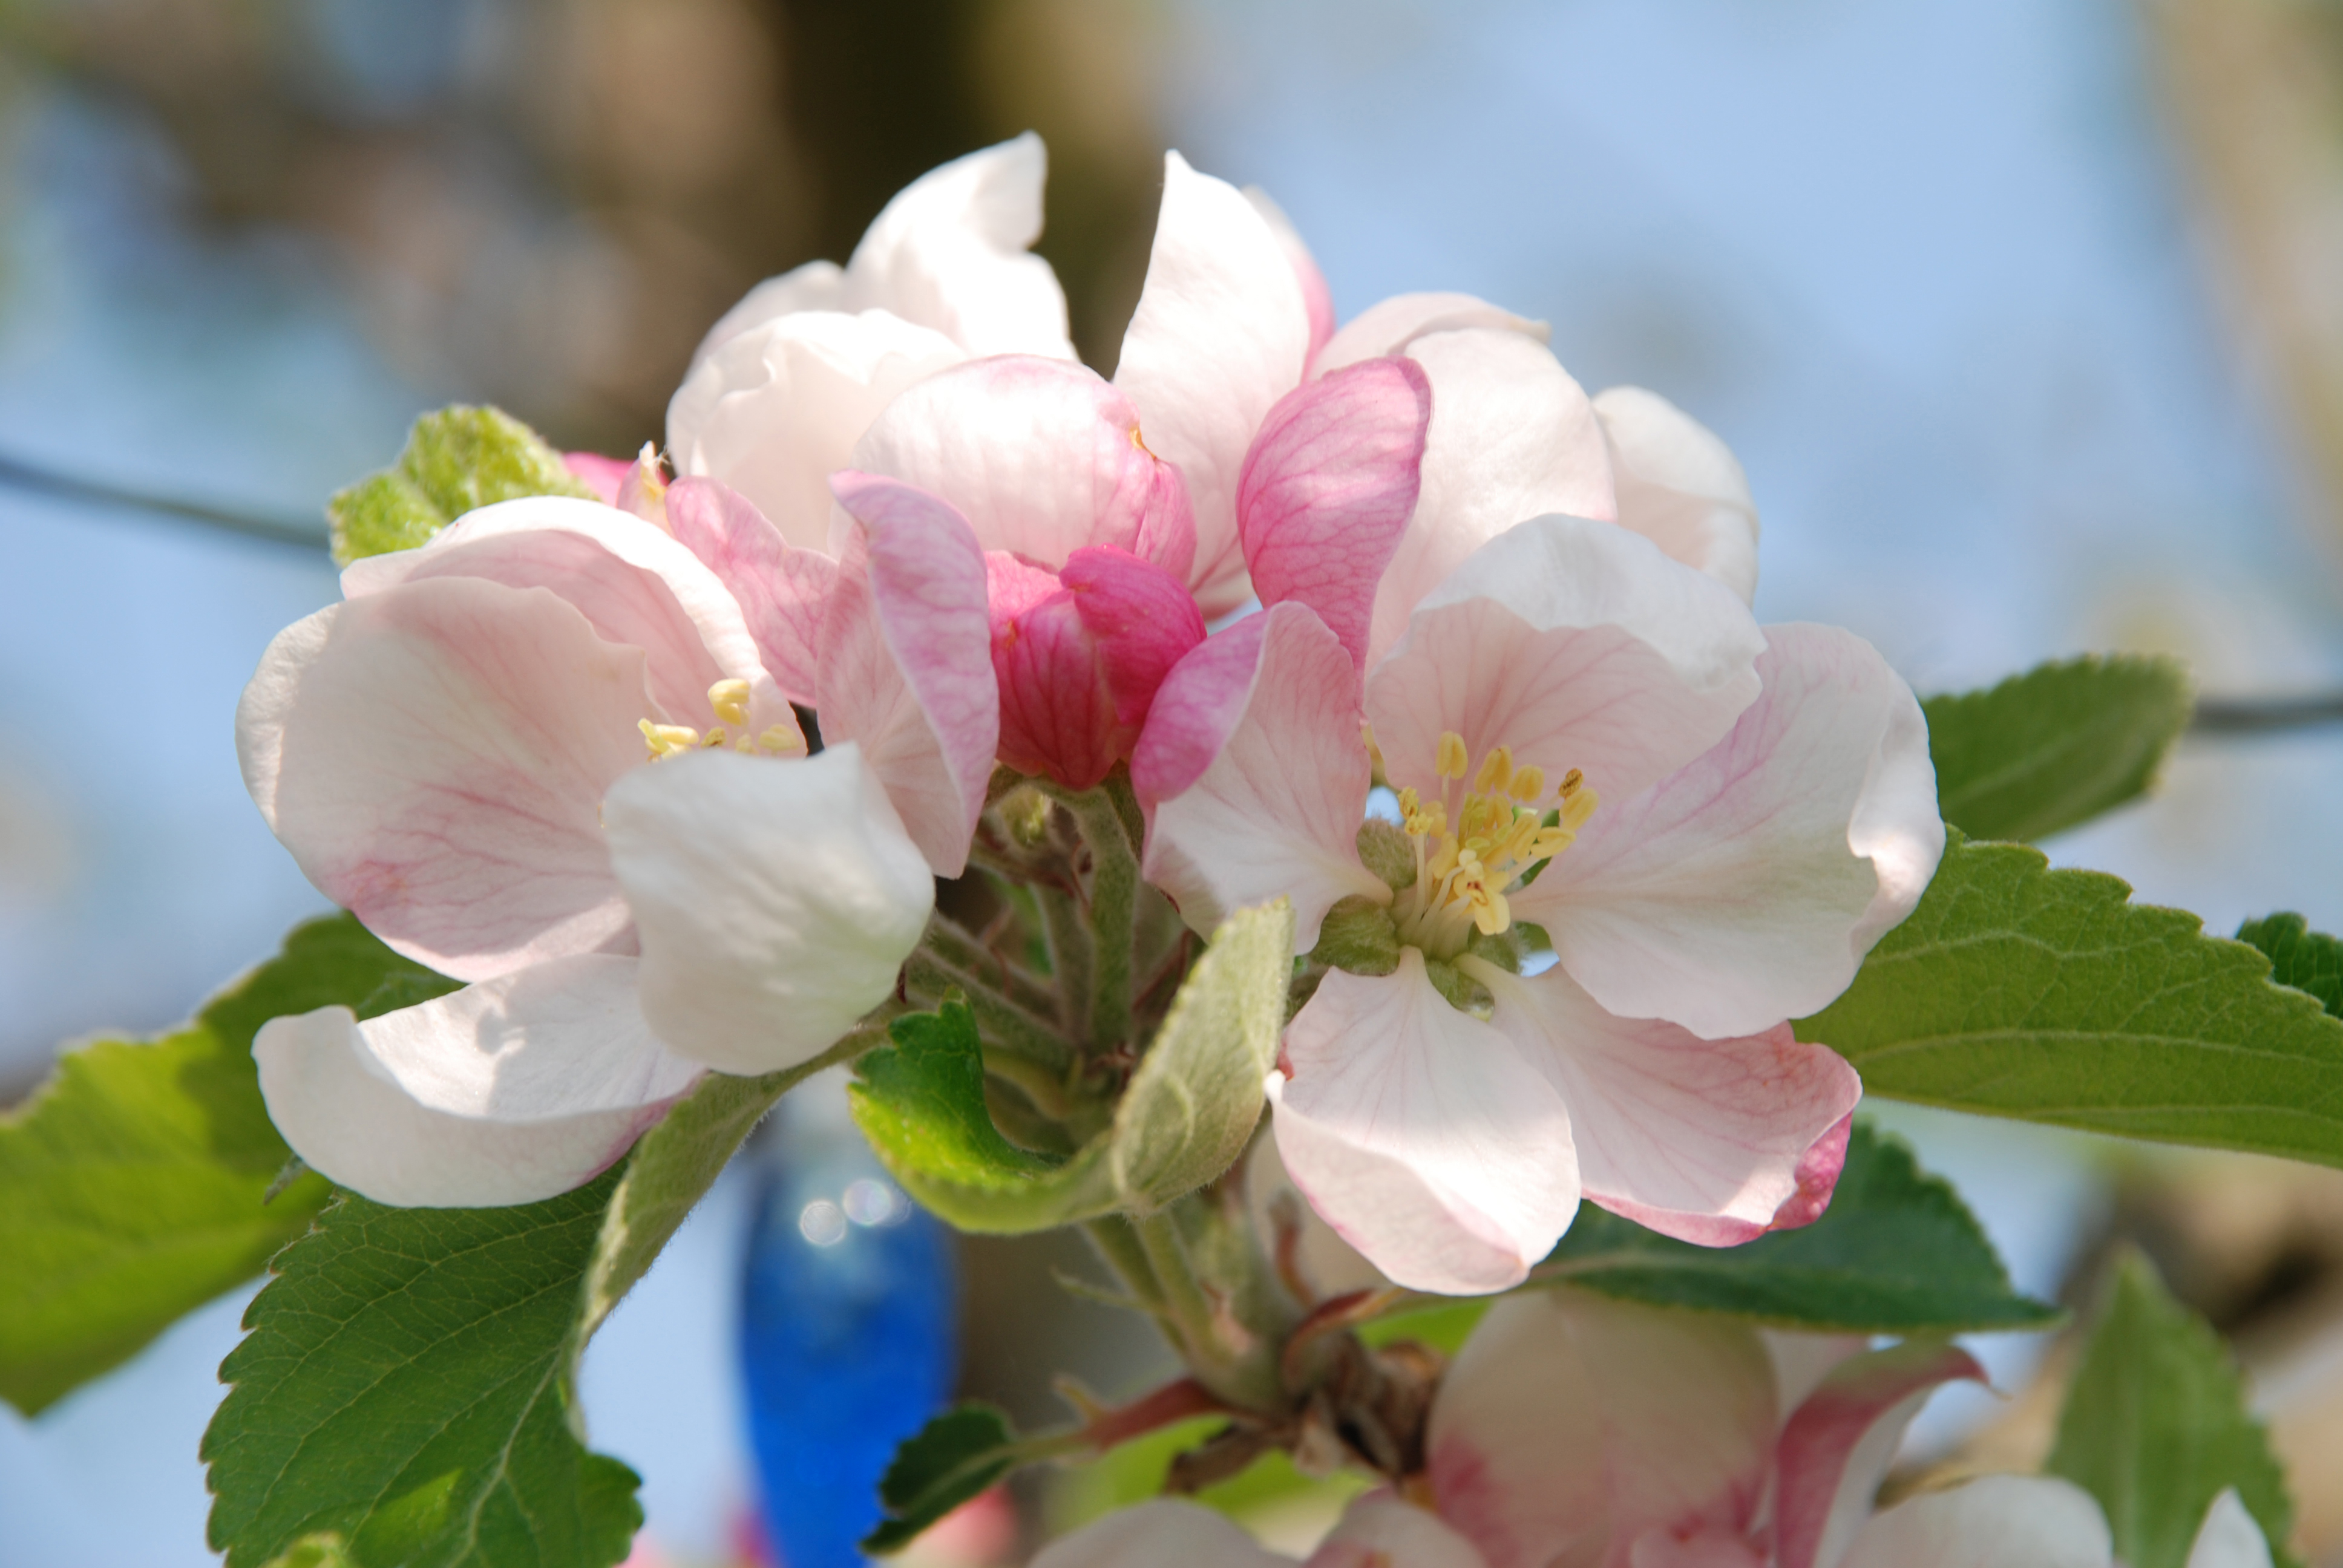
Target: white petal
[
  {"x": 1680, "y": 486},
  {"x": 1389, "y": 326},
  {"x": 2230, "y": 1537},
  {"x": 1993, "y": 1522},
  {"x": 1382, "y": 1530},
  {"x": 775, "y": 899},
  {"x": 816, "y": 286},
  {"x": 504, "y": 1092},
  {"x": 1162, "y": 1533}
]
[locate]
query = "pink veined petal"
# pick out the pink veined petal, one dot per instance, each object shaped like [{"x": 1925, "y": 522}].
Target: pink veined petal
[
  {"x": 1389, "y": 326},
  {"x": 783, "y": 591},
  {"x": 1383, "y": 1530},
  {"x": 1577, "y": 645},
  {"x": 1514, "y": 1450},
  {"x": 1746, "y": 887},
  {"x": 507, "y": 1092},
  {"x": 633, "y": 583},
  {"x": 1708, "y": 1141},
  {"x": 434, "y": 757},
  {"x": 1316, "y": 298},
  {"x": 1164, "y": 1532},
  {"x": 776, "y": 899},
  {"x": 1707, "y": 1549},
  {"x": 1993, "y": 1522},
  {"x": 1329, "y": 482},
  {"x": 906, "y": 666},
  {"x": 1836, "y": 1446},
  {"x": 1801, "y": 1360},
  {"x": 1421, "y": 1134},
  {"x": 816, "y": 286},
  {"x": 949, "y": 252},
  {"x": 1221, "y": 334},
  {"x": 1042, "y": 458},
  {"x": 1512, "y": 437},
  {"x": 602, "y": 475},
  {"x": 2230, "y": 1538},
  {"x": 1254, "y": 776},
  {"x": 1680, "y": 486},
  {"x": 775, "y": 411}
]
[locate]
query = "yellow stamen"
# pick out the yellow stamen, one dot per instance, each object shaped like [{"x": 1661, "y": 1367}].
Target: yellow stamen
[
  {"x": 667, "y": 739},
  {"x": 730, "y": 698},
  {"x": 1527, "y": 785},
  {"x": 714, "y": 739},
  {"x": 781, "y": 738},
  {"x": 1451, "y": 759},
  {"x": 1496, "y": 772}
]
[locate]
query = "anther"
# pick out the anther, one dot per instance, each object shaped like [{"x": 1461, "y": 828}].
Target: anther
[
  {"x": 1451, "y": 760},
  {"x": 730, "y": 698},
  {"x": 1496, "y": 772}
]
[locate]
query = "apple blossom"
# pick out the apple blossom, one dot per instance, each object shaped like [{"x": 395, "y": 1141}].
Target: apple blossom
[{"x": 547, "y": 755}]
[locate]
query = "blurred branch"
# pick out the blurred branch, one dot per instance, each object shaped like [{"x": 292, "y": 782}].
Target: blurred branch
[
  {"x": 16, "y": 474},
  {"x": 2264, "y": 716}
]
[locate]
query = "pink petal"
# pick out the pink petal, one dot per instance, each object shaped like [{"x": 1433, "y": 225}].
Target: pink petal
[
  {"x": 1993, "y": 1522},
  {"x": 783, "y": 591},
  {"x": 602, "y": 475},
  {"x": 1746, "y": 887},
  {"x": 1329, "y": 482},
  {"x": 1680, "y": 486},
  {"x": 906, "y": 669},
  {"x": 776, "y": 900},
  {"x": 1836, "y": 1448},
  {"x": 1801, "y": 1361},
  {"x": 1714, "y": 1141},
  {"x": 775, "y": 411},
  {"x": 1221, "y": 334},
  {"x": 507, "y": 1092},
  {"x": 1041, "y": 456},
  {"x": 435, "y": 758},
  {"x": 1708, "y": 1549},
  {"x": 1516, "y": 1445},
  {"x": 1316, "y": 298},
  {"x": 1421, "y": 1135},
  {"x": 2230, "y": 1538},
  {"x": 1577, "y": 645},
  {"x": 816, "y": 286},
  {"x": 1390, "y": 325},
  {"x": 632, "y": 582},
  {"x": 1254, "y": 775},
  {"x": 1164, "y": 1532},
  {"x": 1512, "y": 437},
  {"x": 1382, "y": 1530}
]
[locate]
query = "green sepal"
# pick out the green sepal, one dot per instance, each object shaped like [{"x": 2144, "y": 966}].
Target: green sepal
[
  {"x": 2053, "y": 748},
  {"x": 1358, "y": 937},
  {"x": 1385, "y": 849},
  {"x": 952, "y": 1459},
  {"x": 456, "y": 458}
]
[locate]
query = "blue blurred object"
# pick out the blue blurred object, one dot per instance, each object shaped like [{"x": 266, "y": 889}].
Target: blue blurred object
[{"x": 849, "y": 1327}]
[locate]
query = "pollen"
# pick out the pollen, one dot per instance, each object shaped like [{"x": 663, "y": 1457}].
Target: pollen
[
  {"x": 730, "y": 698},
  {"x": 1451, "y": 760},
  {"x": 1505, "y": 827},
  {"x": 667, "y": 739}
]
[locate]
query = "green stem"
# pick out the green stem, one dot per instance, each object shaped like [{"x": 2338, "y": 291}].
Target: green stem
[
  {"x": 1000, "y": 1019},
  {"x": 1104, "y": 815},
  {"x": 960, "y": 948},
  {"x": 1069, "y": 935}
]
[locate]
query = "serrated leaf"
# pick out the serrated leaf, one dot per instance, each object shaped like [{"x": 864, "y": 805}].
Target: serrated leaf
[
  {"x": 949, "y": 1461},
  {"x": 2046, "y": 995},
  {"x": 134, "y": 1184},
  {"x": 2155, "y": 1427},
  {"x": 2053, "y": 748},
  {"x": 1896, "y": 1253},
  {"x": 2300, "y": 957},
  {"x": 456, "y": 459},
  {"x": 1196, "y": 1098}
]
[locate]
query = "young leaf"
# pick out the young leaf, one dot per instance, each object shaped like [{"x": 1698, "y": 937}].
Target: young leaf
[
  {"x": 2017, "y": 990},
  {"x": 2155, "y": 1427},
  {"x": 2300, "y": 957},
  {"x": 952, "y": 1459},
  {"x": 134, "y": 1184},
  {"x": 1896, "y": 1253},
  {"x": 456, "y": 459},
  {"x": 2057, "y": 746}
]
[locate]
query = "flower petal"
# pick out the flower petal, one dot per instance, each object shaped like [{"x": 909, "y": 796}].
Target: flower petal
[
  {"x": 1221, "y": 334},
  {"x": 1714, "y": 1141},
  {"x": 816, "y": 286},
  {"x": 783, "y": 591},
  {"x": 1680, "y": 486},
  {"x": 1381, "y": 1531},
  {"x": 434, "y": 757},
  {"x": 1389, "y": 326},
  {"x": 1421, "y": 1134},
  {"x": 1329, "y": 482},
  {"x": 507, "y": 1092},
  {"x": 1993, "y": 1522},
  {"x": 1576, "y": 644},
  {"x": 774, "y": 411},
  {"x": 1164, "y": 1532},
  {"x": 776, "y": 899},
  {"x": 1042, "y": 458},
  {"x": 907, "y": 663},
  {"x": 1836, "y": 1446},
  {"x": 1514, "y": 1448},
  {"x": 2230, "y": 1538},
  {"x": 632, "y": 582},
  {"x": 602, "y": 475},
  {"x": 1254, "y": 776},
  {"x": 1746, "y": 887},
  {"x": 1512, "y": 437},
  {"x": 1316, "y": 298}
]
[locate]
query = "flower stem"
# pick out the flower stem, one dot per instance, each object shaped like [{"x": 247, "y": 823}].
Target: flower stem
[{"x": 1105, "y": 816}]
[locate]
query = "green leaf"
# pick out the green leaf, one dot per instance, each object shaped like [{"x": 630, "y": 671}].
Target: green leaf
[
  {"x": 2300, "y": 957},
  {"x": 1896, "y": 1253},
  {"x": 2017, "y": 990},
  {"x": 133, "y": 1185},
  {"x": 2053, "y": 748},
  {"x": 406, "y": 1389},
  {"x": 456, "y": 458},
  {"x": 2155, "y": 1427},
  {"x": 949, "y": 1461}
]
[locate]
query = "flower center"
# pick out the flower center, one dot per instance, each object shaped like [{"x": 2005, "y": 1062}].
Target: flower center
[
  {"x": 729, "y": 699},
  {"x": 1501, "y": 835}
]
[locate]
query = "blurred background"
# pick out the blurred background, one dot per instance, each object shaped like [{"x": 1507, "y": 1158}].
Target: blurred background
[{"x": 2025, "y": 315}]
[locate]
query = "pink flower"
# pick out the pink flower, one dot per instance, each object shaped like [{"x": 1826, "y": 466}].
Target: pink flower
[
  {"x": 1720, "y": 820},
  {"x": 1577, "y": 1433},
  {"x": 550, "y": 754}
]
